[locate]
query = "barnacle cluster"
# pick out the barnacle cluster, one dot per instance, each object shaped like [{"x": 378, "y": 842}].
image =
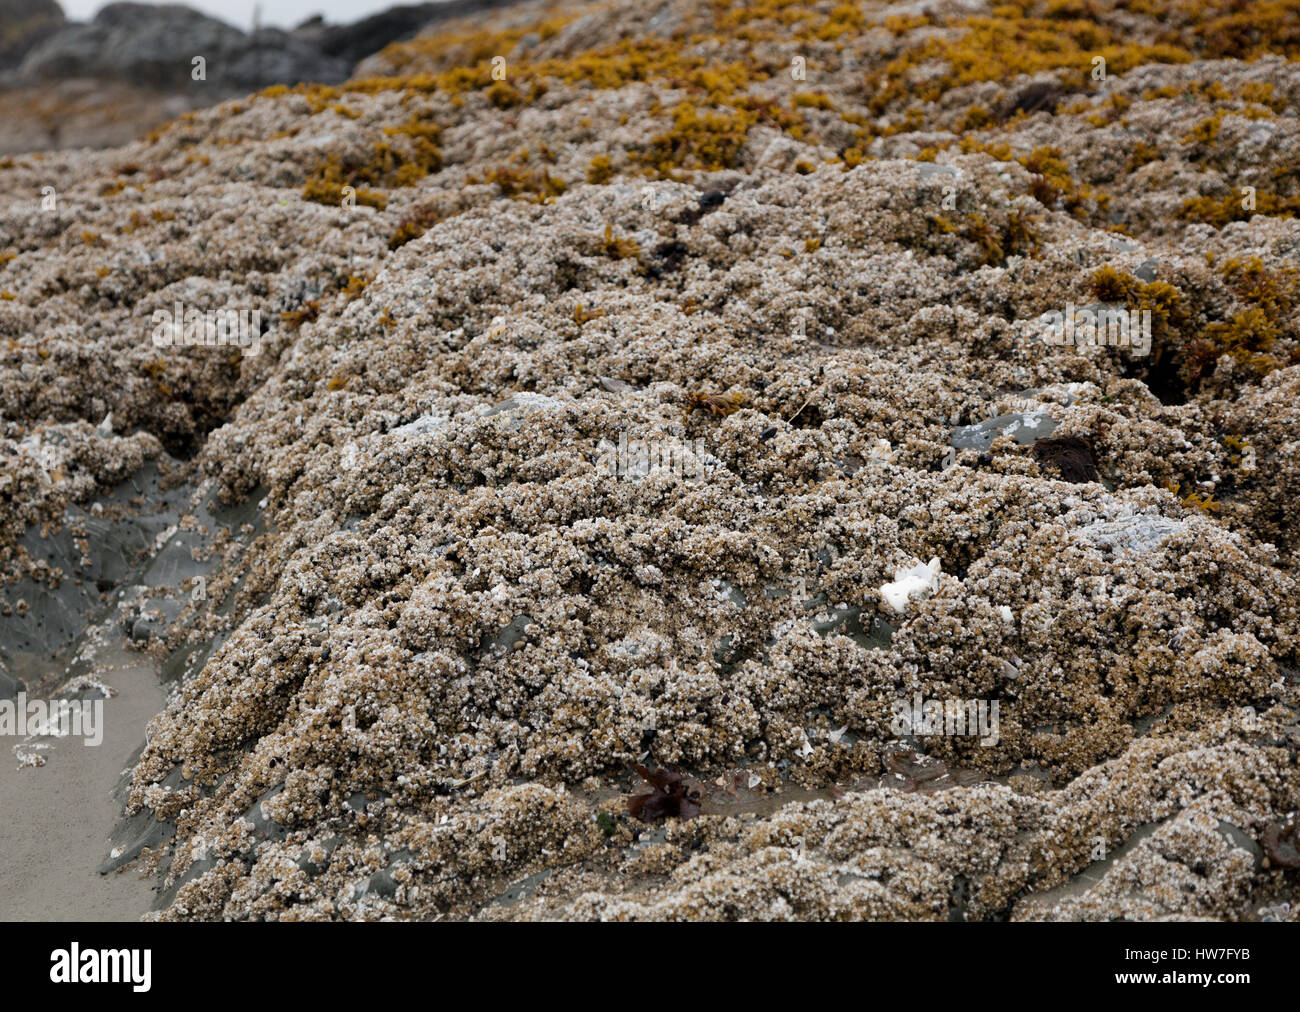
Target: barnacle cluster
[{"x": 456, "y": 632}]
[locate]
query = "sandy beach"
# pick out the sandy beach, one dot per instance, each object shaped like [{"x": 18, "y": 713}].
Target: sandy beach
[{"x": 59, "y": 817}]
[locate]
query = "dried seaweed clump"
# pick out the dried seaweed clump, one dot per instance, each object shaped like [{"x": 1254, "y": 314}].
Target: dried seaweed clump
[
  {"x": 385, "y": 164},
  {"x": 1073, "y": 456},
  {"x": 414, "y": 225},
  {"x": 670, "y": 797},
  {"x": 718, "y": 405}
]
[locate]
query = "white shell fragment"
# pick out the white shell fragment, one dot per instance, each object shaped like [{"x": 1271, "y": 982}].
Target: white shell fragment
[{"x": 915, "y": 582}]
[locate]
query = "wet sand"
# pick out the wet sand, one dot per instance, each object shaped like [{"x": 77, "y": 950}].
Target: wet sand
[{"x": 57, "y": 818}]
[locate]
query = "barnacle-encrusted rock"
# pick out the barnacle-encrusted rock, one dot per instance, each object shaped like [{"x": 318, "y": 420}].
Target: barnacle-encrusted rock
[{"x": 459, "y": 629}]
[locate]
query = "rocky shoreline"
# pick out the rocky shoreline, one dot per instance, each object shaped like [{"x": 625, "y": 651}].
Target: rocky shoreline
[
  {"x": 427, "y": 663},
  {"x": 136, "y": 66}
]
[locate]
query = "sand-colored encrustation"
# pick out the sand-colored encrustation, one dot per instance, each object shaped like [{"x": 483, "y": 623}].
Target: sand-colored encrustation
[{"x": 821, "y": 239}]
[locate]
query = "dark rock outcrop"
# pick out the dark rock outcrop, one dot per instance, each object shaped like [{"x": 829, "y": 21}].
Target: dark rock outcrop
[
  {"x": 23, "y": 24},
  {"x": 354, "y": 42},
  {"x": 155, "y": 47}
]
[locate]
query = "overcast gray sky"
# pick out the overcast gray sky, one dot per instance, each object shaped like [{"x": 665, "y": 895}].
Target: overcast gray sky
[{"x": 281, "y": 13}]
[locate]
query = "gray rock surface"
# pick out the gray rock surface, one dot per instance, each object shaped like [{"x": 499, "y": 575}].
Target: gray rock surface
[
  {"x": 25, "y": 23},
  {"x": 155, "y": 46},
  {"x": 352, "y": 42}
]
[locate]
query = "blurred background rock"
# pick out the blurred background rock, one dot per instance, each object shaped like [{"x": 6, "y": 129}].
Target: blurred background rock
[{"x": 101, "y": 83}]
